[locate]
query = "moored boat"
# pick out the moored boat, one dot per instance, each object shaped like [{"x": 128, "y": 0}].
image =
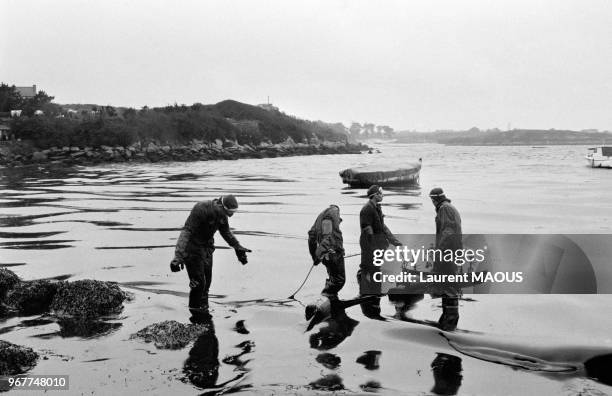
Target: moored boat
[
  {"x": 599, "y": 157},
  {"x": 363, "y": 177}
]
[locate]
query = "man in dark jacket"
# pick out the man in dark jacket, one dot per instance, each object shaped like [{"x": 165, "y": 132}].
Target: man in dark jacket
[
  {"x": 195, "y": 247},
  {"x": 448, "y": 236},
  {"x": 326, "y": 246},
  {"x": 374, "y": 235}
]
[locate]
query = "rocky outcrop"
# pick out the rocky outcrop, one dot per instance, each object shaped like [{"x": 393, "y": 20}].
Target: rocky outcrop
[
  {"x": 171, "y": 334},
  {"x": 81, "y": 300},
  {"x": 87, "y": 299},
  {"x": 16, "y": 359},
  {"x": 154, "y": 152},
  {"x": 30, "y": 298},
  {"x": 8, "y": 281}
]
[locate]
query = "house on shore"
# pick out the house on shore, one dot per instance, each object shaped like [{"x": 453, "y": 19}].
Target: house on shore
[{"x": 27, "y": 92}]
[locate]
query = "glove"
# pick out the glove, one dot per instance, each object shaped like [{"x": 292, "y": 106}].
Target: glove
[
  {"x": 241, "y": 253},
  {"x": 176, "y": 265},
  {"x": 327, "y": 254},
  {"x": 316, "y": 261}
]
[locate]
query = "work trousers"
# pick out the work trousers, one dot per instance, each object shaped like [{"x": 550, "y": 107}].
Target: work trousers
[
  {"x": 336, "y": 275},
  {"x": 199, "y": 269}
]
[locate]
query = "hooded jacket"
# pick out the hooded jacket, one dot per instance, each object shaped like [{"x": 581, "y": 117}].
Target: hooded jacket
[
  {"x": 205, "y": 219},
  {"x": 325, "y": 234},
  {"x": 448, "y": 226}
]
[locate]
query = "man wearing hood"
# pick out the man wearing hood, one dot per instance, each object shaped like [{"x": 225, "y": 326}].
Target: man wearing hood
[
  {"x": 195, "y": 247},
  {"x": 326, "y": 246},
  {"x": 448, "y": 236}
]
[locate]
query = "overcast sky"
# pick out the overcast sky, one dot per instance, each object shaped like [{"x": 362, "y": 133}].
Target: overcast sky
[{"x": 408, "y": 64}]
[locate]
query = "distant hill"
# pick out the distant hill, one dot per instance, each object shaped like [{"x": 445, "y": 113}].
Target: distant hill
[
  {"x": 96, "y": 125},
  {"x": 515, "y": 137}
]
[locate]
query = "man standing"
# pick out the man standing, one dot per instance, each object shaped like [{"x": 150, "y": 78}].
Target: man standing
[
  {"x": 195, "y": 247},
  {"x": 448, "y": 236},
  {"x": 326, "y": 246},
  {"x": 374, "y": 235}
]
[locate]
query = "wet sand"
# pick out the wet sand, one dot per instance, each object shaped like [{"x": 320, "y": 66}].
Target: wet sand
[{"x": 120, "y": 222}]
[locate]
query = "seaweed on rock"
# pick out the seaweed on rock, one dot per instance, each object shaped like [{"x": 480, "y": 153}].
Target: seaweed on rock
[
  {"x": 8, "y": 280},
  {"x": 171, "y": 334},
  {"x": 33, "y": 297},
  {"x": 88, "y": 298},
  {"x": 16, "y": 359}
]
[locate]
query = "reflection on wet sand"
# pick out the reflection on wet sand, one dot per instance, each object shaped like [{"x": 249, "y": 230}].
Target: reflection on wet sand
[
  {"x": 337, "y": 329},
  {"x": 69, "y": 327},
  {"x": 330, "y": 382},
  {"x": 447, "y": 374},
  {"x": 38, "y": 245},
  {"x": 370, "y": 360},
  {"x": 329, "y": 360},
  {"x": 201, "y": 368}
]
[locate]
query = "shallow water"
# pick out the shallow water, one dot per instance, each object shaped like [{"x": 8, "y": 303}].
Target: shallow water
[{"x": 120, "y": 223}]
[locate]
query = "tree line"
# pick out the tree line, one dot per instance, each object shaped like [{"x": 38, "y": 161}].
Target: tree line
[{"x": 178, "y": 124}]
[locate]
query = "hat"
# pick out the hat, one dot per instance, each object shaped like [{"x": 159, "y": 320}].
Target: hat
[
  {"x": 437, "y": 193},
  {"x": 229, "y": 202},
  {"x": 374, "y": 189}
]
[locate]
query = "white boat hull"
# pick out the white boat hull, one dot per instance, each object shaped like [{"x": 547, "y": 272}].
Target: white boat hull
[{"x": 598, "y": 163}]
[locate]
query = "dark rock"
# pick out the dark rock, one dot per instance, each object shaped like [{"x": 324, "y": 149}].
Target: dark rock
[
  {"x": 39, "y": 156},
  {"x": 371, "y": 386},
  {"x": 33, "y": 297},
  {"x": 171, "y": 334},
  {"x": 329, "y": 360},
  {"x": 88, "y": 298},
  {"x": 330, "y": 382},
  {"x": 370, "y": 359},
  {"x": 8, "y": 280},
  {"x": 241, "y": 328},
  {"x": 16, "y": 359}
]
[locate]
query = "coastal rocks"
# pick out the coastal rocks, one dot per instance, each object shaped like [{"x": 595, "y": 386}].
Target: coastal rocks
[
  {"x": 171, "y": 334},
  {"x": 88, "y": 299},
  {"x": 39, "y": 156},
  {"x": 196, "y": 150},
  {"x": 82, "y": 299},
  {"x": 8, "y": 280},
  {"x": 16, "y": 359},
  {"x": 30, "y": 298}
]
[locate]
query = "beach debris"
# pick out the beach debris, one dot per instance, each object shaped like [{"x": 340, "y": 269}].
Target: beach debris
[
  {"x": 330, "y": 382},
  {"x": 370, "y": 359},
  {"x": 88, "y": 298},
  {"x": 8, "y": 280},
  {"x": 171, "y": 334},
  {"x": 329, "y": 360},
  {"x": 241, "y": 328},
  {"x": 30, "y": 298},
  {"x": 371, "y": 386},
  {"x": 16, "y": 359}
]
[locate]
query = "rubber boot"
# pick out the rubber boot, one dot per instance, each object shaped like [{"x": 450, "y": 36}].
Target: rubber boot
[
  {"x": 450, "y": 314},
  {"x": 371, "y": 309},
  {"x": 404, "y": 303},
  {"x": 200, "y": 314}
]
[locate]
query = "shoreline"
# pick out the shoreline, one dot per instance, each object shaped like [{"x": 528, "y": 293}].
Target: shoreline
[{"x": 23, "y": 154}]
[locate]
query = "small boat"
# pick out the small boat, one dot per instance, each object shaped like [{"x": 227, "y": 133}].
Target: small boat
[
  {"x": 599, "y": 157},
  {"x": 364, "y": 177}
]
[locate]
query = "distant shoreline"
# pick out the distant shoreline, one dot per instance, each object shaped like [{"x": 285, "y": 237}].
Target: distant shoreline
[{"x": 21, "y": 154}]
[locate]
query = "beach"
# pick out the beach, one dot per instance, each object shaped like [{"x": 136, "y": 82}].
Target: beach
[{"x": 119, "y": 222}]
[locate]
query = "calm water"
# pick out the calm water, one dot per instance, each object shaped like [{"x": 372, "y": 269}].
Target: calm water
[{"x": 120, "y": 223}]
